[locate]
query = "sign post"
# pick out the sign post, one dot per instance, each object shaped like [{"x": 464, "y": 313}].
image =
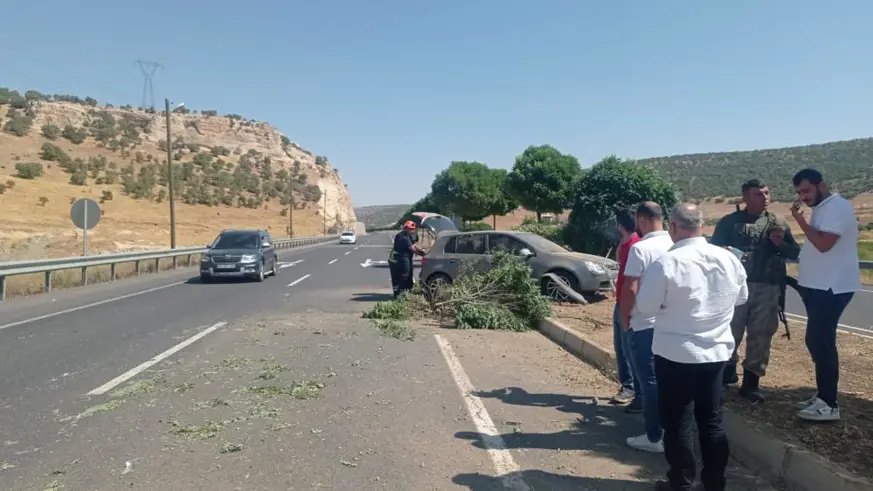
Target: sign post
[{"x": 85, "y": 214}]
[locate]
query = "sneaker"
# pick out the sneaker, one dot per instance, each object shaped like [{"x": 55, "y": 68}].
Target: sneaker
[
  {"x": 635, "y": 407},
  {"x": 806, "y": 403},
  {"x": 642, "y": 442},
  {"x": 819, "y": 411},
  {"x": 623, "y": 396}
]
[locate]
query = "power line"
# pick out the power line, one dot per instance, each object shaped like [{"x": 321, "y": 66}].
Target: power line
[{"x": 148, "y": 68}]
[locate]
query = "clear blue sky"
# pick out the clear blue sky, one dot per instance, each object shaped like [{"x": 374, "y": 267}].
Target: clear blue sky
[{"x": 393, "y": 90}]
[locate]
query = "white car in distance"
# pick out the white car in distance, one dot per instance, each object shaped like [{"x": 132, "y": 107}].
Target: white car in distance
[{"x": 348, "y": 237}]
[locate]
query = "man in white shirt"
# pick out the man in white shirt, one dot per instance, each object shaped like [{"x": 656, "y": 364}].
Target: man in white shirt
[
  {"x": 654, "y": 243},
  {"x": 829, "y": 277},
  {"x": 692, "y": 291}
]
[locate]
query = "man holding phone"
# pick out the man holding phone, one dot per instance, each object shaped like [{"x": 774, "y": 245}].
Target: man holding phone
[
  {"x": 763, "y": 241},
  {"x": 829, "y": 277}
]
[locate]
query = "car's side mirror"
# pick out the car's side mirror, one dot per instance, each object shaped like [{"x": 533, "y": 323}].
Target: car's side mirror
[
  {"x": 525, "y": 252},
  {"x": 265, "y": 245},
  {"x": 209, "y": 246}
]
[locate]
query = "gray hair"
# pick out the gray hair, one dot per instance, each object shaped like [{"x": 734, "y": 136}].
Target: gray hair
[{"x": 687, "y": 216}]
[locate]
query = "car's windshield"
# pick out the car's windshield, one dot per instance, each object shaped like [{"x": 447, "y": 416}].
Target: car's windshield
[
  {"x": 348, "y": 234},
  {"x": 541, "y": 243},
  {"x": 236, "y": 241}
]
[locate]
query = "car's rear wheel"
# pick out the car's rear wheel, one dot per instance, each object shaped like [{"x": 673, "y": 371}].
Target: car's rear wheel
[
  {"x": 554, "y": 291},
  {"x": 436, "y": 283}
]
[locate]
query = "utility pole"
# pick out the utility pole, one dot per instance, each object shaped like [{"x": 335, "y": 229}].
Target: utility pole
[
  {"x": 170, "y": 178},
  {"x": 325, "y": 212},
  {"x": 290, "y": 207}
]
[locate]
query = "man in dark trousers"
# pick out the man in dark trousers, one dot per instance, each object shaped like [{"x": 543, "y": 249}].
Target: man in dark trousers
[
  {"x": 692, "y": 291},
  {"x": 400, "y": 260},
  {"x": 763, "y": 241},
  {"x": 829, "y": 277}
]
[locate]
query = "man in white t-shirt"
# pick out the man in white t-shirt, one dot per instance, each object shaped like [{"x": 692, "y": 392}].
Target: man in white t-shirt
[
  {"x": 654, "y": 243},
  {"x": 829, "y": 277},
  {"x": 692, "y": 291}
]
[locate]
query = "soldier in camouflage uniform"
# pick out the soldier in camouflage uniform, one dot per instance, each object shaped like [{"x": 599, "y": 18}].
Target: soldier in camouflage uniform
[{"x": 763, "y": 241}]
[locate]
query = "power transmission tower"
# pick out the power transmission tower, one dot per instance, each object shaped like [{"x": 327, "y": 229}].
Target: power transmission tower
[{"x": 148, "y": 69}]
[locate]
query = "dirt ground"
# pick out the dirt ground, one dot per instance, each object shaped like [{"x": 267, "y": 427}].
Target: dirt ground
[{"x": 790, "y": 378}]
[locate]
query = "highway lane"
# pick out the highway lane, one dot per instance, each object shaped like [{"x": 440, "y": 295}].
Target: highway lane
[{"x": 51, "y": 363}]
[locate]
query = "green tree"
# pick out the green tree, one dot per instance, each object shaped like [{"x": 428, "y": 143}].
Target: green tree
[
  {"x": 542, "y": 179},
  {"x": 466, "y": 189},
  {"x": 503, "y": 202},
  {"x": 610, "y": 185}
]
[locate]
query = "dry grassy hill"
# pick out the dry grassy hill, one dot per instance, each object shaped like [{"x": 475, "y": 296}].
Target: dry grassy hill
[{"x": 229, "y": 172}]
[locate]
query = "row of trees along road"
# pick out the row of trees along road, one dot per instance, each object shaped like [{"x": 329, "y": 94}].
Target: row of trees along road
[{"x": 544, "y": 180}]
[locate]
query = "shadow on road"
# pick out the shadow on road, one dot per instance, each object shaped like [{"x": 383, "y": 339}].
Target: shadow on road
[
  {"x": 599, "y": 428},
  {"x": 538, "y": 479},
  {"x": 371, "y": 297}
]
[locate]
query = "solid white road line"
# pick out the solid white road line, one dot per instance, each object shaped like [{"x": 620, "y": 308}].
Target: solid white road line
[
  {"x": 83, "y": 307},
  {"x": 332, "y": 261},
  {"x": 348, "y": 253},
  {"x": 506, "y": 467},
  {"x": 298, "y": 280},
  {"x": 133, "y": 372}
]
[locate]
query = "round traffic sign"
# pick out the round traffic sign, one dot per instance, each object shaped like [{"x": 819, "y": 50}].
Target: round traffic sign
[{"x": 85, "y": 213}]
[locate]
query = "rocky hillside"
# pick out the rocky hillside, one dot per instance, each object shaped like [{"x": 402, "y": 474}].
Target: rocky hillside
[{"x": 229, "y": 172}]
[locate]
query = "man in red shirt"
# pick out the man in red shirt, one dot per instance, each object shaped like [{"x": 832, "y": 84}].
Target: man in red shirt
[{"x": 629, "y": 391}]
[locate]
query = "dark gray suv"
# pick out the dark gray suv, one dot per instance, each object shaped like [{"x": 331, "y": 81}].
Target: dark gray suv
[{"x": 240, "y": 254}]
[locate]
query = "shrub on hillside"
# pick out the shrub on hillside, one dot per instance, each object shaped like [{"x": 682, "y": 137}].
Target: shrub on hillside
[
  {"x": 34, "y": 95},
  {"x": 2, "y": 188},
  {"x": 28, "y": 170},
  {"x": 51, "y": 131},
  {"x": 320, "y": 160},
  {"x": 79, "y": 178},
  {"x": 74, "y": 135},
  {"x": 220, "y": 151},
  {"x": 18, "y": 125},
  {"x": 53, "y": 153}
]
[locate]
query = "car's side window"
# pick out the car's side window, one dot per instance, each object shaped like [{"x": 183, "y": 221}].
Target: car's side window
[
  {"x": 450, "y": 246},
  {"x": 505, "y": 243},
  {"x": 471, "y": 244}
]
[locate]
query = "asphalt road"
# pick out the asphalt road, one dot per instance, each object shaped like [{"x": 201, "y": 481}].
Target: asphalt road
[
  {"x": 857, "y": 319},
  {"x": 150, "y": 383}
]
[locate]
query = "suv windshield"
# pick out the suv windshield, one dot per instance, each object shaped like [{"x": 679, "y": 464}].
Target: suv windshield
[
  {"x": 348, "y": 234},
  {"x": 541, "y": 243},
  {"x": 236, "y": 241}
]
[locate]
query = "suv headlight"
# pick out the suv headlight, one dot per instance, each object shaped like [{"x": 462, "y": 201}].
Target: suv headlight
[
  {"x": 594, "y": 268},
  {"x": 248, "y": 258},
  {"x": 205, "y": 258}
]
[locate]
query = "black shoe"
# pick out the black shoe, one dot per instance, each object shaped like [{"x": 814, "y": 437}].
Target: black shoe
[
  {"x": 635, "y": 407},
  {"x": 751, "y": 388},
  {"x": 730, "y": 374},
  {"x": 623, "y": 396}
]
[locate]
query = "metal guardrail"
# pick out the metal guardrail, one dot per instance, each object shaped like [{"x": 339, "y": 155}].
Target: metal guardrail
[{"x": 48, "y": 266}]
